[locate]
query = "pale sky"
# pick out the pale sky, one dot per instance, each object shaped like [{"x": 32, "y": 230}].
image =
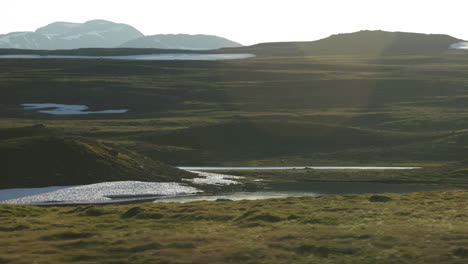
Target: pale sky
[{"x": 246, "y": 21}]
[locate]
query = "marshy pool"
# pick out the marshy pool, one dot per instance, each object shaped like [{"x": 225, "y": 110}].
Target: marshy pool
[{"x": 64, "y": 109}]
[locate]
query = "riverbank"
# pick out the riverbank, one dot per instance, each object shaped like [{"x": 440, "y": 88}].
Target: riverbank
[
  {"x": 441, "y": 176},
  {"x": 209, "y": 186},
  {"x": 330, "y": 229}
]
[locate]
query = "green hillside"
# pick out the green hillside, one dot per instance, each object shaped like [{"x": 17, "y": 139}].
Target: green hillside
[
  {"x": 39, "y": 160},
  {"x": 357, "y": 43}
]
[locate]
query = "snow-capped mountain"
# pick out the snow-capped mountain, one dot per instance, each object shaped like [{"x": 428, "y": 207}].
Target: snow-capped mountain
[
  {"x": 181, "y": 41},
  {"x": 105, "y": 34}
]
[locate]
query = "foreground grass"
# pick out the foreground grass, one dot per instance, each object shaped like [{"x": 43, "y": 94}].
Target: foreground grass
[{"x": 426, "y": 227}]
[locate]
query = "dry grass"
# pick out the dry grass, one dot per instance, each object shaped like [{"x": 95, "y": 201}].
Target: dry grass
[{"x": 412, "y": 228}]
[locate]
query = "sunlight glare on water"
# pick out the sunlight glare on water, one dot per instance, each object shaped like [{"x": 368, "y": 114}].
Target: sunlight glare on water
[
  {"x": 176, "y": 56},
  {"x": 105, "y": 192}
]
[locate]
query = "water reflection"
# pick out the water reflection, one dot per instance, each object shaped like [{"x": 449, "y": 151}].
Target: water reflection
[
  {"x": 297, "y": 189},
  {"x": 177, "y": 56}
]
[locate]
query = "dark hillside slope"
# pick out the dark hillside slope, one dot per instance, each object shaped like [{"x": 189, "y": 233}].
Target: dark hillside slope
[
  {"x": 357, "y": 43},
  {"x": 255, "y": 140},
  {"x": 40, "y": 161}
]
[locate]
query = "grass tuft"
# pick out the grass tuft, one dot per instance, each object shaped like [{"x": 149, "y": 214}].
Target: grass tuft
[
  {"x": 68, "y": 235},
  {"x": 132, "y": 212}
]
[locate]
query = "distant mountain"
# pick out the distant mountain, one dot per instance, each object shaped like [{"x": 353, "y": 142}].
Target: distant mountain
[
  {"x": 95, "y": 33},
  {"x": 180, "y": 41},
  {"x": 25, "y": 40},
  {"x": 64, "y": 35},
  {"x": 105, "y": 34},
  {"x": 123, "y": 38},
  {"x": 357, "y": 43}
]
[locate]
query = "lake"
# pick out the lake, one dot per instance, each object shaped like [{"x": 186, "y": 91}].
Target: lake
[
  {"x": 112, "y": 192},
  {"x": 162, "y": 57},
  {"x": 300, "y": 168},
  {"x": 297, "y": 189},
  {"x": 105, "y": 192}
]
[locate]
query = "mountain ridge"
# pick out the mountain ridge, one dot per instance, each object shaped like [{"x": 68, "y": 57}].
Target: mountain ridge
[
  {"x": 365, "y": 42},
  {"x": 370, "y": 42},
  {"x": 100, "y": 33},
  {"x": 181, "y": 41}
]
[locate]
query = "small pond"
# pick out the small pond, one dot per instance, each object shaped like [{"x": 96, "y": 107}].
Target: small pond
[{"x": 64, "y": 109}]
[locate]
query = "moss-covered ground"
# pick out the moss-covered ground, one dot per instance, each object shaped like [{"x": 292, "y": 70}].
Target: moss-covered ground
[{"x": 429, "y": 227}]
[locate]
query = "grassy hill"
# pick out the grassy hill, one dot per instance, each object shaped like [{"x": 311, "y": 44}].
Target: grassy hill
[
  {"x": 251, "y": 140},
  {"x": 35, "y": 159},
  {"x": 357, "y": 43}
]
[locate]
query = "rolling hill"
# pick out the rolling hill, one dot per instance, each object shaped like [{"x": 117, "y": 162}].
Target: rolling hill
[
  {"x": 36, "y": 156},
  {"x": 357, "y": 43}
]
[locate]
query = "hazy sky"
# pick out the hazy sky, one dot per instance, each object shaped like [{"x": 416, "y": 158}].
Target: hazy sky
[{"x": 246, "y": 21}]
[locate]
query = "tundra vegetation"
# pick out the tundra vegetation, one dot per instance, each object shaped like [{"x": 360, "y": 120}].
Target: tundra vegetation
[
  {"x": 427, "y": 227},
  {"x": 399, "y": 110},
  {"x": 312, "y": 110}
]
